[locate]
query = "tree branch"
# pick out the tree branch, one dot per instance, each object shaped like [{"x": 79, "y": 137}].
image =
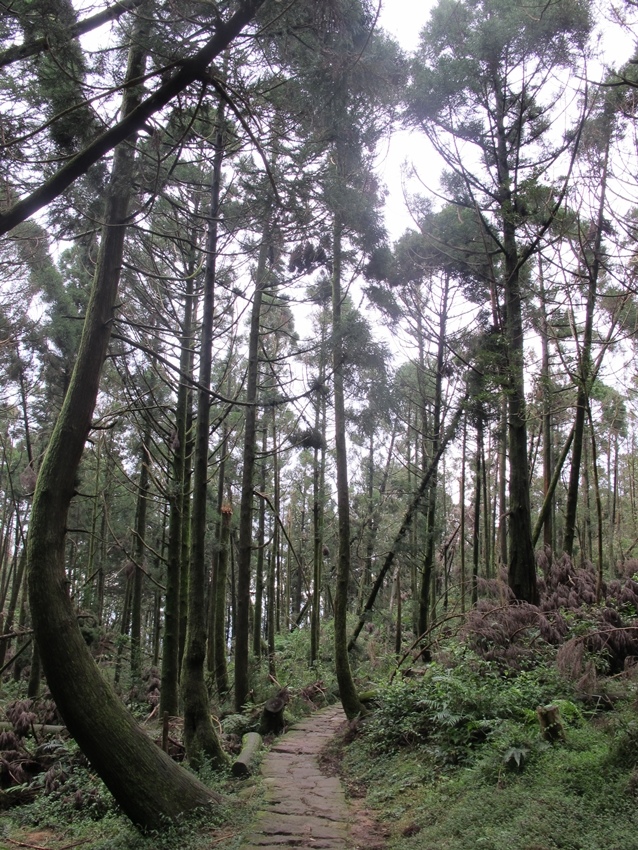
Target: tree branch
[
  {"x": 189, "y": 71},
  {"x": 40, "y": 45}
]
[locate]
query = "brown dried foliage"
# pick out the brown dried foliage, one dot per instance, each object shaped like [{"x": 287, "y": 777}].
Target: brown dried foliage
[{"x": 512, "y": 633}]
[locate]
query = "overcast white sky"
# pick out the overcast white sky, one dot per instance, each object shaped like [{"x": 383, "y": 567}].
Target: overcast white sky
[{"x": 404, "y": 19}]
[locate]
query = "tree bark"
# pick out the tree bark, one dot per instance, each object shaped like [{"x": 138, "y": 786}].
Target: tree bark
[
  {"x": 200, "y": 738},
  {"x": 250, "y": 745},
  {"x": 347, "y": 691},
  {"x": 189, "y": 71},
  {"x": 147, "y": 784},
  {"x": 242, "y": 617},
  {"x": 169, "y": 693},
  {"x": 522, "y": 561}
]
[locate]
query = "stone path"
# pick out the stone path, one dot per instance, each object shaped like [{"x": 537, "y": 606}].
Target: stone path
[{"x": 303, "y": 807}]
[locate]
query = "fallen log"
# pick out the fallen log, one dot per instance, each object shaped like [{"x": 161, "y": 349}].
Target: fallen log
[
  {"x": 45, "y": 729},
  {"x": 250, "y": 746}
]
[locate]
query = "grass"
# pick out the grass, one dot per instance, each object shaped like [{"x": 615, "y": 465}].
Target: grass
[
  {"x": 450, "y": 758},
  {"x": 64, "y": 820},
  {"x": 444, "y": 788}
]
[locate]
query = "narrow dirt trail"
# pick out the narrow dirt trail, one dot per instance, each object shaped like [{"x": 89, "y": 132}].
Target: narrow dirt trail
[{"x": 303, "y": 807}]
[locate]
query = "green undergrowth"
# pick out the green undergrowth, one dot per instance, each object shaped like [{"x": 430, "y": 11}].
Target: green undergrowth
[
  {"x": 450, "y": 756},
  {"x": 455, "y": 759},
  {"x": 66, "y": 804},
  {"x": 84, "y": 813}
]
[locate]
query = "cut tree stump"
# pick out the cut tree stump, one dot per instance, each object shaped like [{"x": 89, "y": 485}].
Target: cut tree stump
[
  {"x": 551, "y": 725},
  {"x": 250, "y": 746},
  {"x": 272, "y": 717}
]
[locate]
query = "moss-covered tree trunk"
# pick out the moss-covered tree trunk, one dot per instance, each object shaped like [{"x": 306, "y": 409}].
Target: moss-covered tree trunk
[{"x": 147, "y": 784}]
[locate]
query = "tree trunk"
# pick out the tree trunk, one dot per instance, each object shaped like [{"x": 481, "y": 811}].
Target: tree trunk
[
  {"x": 462, "y": 508},
  {"x": 139, "y": 551},
  {"x": 586, "y": 372},
  {"x": 549, "y": 495},
  {"x": 347, "y": 691},
  {"x": 548, "y": 524},
  {"x": 200, "y": 738},
  {"x": 147, "y": 784},
  {"x": 272, "y": 606},
  {"x": 522, "y": 561},
  {"x": 476, "y": 541},
  {"x": 244, "y": 764},
  {"x": 428, "y": 565},
  {"x": 407, "y": 521},
  {"x": 599, "y": 507},
  {"x": 318, "y": 501},
  {"x": 259, "y": 561},
  {"x": 242, "y": 616},
  {"x": 215, "y": 587},
  {"x": 221, "y": 578},
  {"x": 16, "y": 587},
  {"x": 171, "y": 657}
]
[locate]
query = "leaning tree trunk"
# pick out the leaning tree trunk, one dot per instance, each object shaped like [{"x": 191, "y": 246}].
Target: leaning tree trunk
[
  {"x": 407, "y": 523},
  {"x": 147, "y": 784}
]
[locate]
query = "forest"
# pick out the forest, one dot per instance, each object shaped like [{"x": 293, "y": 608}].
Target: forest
[{"x": 256, "y": 446}]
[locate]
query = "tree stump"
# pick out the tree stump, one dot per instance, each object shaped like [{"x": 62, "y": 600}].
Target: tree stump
[
  {"x": 250, "y": 746},
  {"x": 272, "y": 716},
  {"x": 552, "y": 729}
]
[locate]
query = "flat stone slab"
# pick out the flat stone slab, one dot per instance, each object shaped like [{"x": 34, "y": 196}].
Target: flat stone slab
[{"x": 303, "y": 808}]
